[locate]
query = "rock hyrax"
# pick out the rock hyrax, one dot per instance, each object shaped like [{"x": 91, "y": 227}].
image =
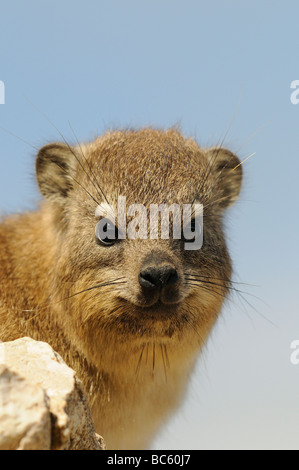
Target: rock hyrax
[{"x": 129, "y": 315}]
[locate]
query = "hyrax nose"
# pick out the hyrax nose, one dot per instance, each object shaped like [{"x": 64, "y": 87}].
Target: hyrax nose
[{"x": 158, "y": 276}]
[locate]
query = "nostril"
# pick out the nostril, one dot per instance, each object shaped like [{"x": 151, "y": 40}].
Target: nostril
[
  {"x": 153, "y": 277},
  {"x": 170, "y": 275},
  {"x": 149, "y": 278}
]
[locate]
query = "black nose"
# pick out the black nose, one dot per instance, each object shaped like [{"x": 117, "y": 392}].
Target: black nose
[{"x": 153, "y": 277}]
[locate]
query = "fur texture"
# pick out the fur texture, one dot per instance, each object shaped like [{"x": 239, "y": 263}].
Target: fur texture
[{"x": 134, "y": 354}]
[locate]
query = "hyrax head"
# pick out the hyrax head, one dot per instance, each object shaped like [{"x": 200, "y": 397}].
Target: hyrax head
[{"x": 112, "y": 265}]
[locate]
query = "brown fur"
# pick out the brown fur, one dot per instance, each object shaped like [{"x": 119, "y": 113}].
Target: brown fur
[{"x": 134, "y": 359}]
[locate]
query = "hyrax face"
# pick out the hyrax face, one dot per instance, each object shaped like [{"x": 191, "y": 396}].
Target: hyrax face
[{"x": 151, "y": 286}]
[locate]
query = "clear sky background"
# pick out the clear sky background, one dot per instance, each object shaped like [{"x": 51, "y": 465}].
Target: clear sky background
[{"x": 203, "y": 65}]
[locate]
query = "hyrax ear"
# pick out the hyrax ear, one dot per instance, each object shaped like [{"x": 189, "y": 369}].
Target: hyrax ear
[
  {"x": 55, "y": 165},
  {"x": 227, "y": 171}
]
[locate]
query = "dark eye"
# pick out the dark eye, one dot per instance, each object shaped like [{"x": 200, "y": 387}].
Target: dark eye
[
  {"x": 191, "y": 230},
  {"x": 106, "y": 232}
]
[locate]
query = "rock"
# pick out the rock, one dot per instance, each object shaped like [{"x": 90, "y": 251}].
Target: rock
[
  {"x": 43, "y": 405},
  {"x": 25, "y": 420}
]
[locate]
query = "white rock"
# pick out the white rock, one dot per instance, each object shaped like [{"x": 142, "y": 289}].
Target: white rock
[
  {"x": 25, "y": 420},
  {"x": 43, "y": 405}
]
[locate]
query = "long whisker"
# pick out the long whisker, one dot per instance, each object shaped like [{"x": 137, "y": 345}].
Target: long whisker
[
  {"x": 20, "y": 138},
  {"x": 166, "y": 356},
  {"x": 211, "y": 291},
  {"x": 139, "y": 361},
  {"x": 209, "y": 286},
  {"x": 103, "y": 284},
  {"x": 163, "y": 360},
  {"x": 214, "y": 293},
  {"x": 202, "y": 341},
  {"x": 76, "y": 181},
  {"x": 95, "y": 183},
  {"x": 226, "y": 285},
  {"x": 257, "y": 311},
  {"x": 202, "y": 276},
  {"x": 216, "y": 180},
  {"x": 98, "y": 294},
  {"x": 154, "y": 356},
  {"x": 98, "y": 286},
  {"x": 65, "y": 141},
  {"x": 211, "y": 164},
  {"x": 253, "y": 134},
  {"x": 221, "y": 142}
]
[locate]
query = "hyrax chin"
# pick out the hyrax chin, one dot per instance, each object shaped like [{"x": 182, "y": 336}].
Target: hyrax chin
[{"x": 129, "y": 314}]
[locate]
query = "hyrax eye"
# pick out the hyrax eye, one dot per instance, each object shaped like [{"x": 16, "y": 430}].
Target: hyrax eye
[
  {"x": 106, "y": 232},
  {"x": 191, "y": 230}
]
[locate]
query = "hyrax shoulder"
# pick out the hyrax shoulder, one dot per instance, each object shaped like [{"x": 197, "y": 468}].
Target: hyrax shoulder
[{"x": 126, "y": 305}]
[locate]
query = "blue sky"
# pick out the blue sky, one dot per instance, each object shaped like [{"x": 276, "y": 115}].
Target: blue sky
[{"x": 209, "y": 66}]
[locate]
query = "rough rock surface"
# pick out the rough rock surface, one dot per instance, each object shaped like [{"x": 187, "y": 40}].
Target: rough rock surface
[{"x": 43, "y": 405}]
